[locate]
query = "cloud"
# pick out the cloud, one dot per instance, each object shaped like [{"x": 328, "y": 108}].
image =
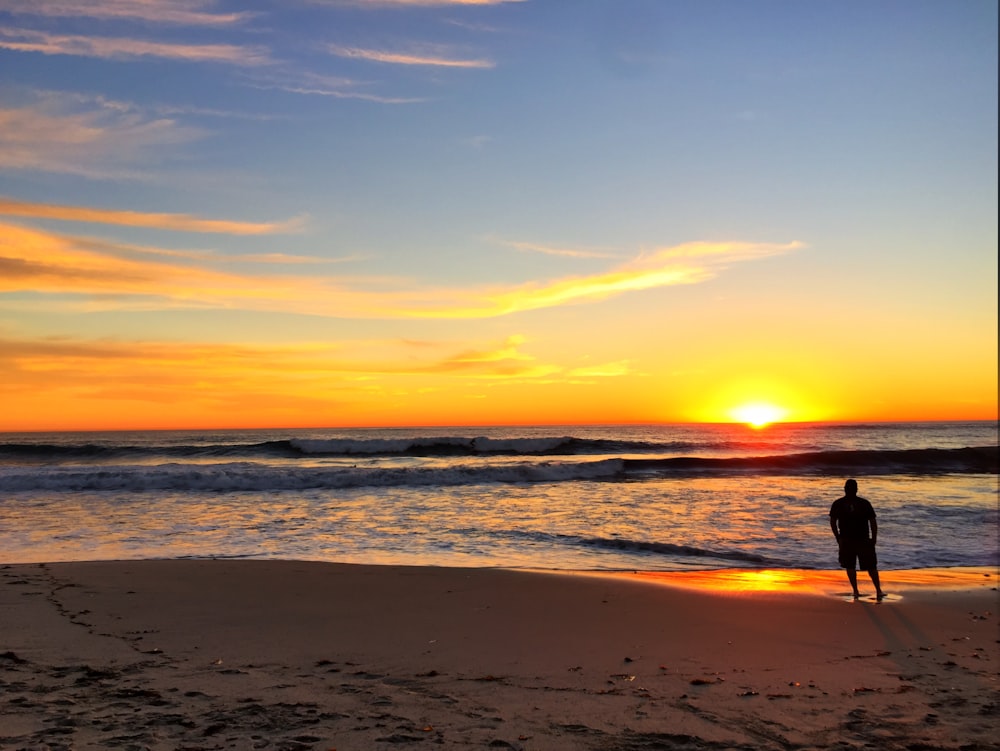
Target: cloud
[
  {"x": 122, "y": 48},
  {"x": 211, "y": 257},
  {"x": 123, "y": 277},
  {"x": 317, "y": 84},
  {"x": 113, "y": 276},
  {"x": 504, "y": 361},
  {"x": 177, "y": 222},
  {"x": 428, "y": 56},
  {"x": 123, "y": 106},
  {"x": 551, "y": 251},
  {"x": 606, "y": 370},
  {"x": 509, "y": 351},
  {"x": 690, "y": 263},
  {"x": 338, "y": 94},
  {"x": 113, "y": 371},
  {"x": 158, "y": 371},
  {"x": 187, "y": 12},
  {"x": 52, "y": 135},
  {"x": 38, "y": 261},
  {"x": 415, "y": 3}
]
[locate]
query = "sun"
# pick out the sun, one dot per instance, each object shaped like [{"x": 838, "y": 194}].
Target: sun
[
  {"x": 756, "y": 402},
  {"x": 758, "y": 414}
]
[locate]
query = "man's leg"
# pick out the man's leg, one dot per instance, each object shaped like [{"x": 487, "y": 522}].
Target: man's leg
[
  {"x": 869, "y": 562},
  {"x": 852, "y": 576},
  {"x": 873, "y": 573}
]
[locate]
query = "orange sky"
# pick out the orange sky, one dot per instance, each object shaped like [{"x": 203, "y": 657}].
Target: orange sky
[
  {"x": 604, "y": 348},
  {"x": 607, "y": 347}
]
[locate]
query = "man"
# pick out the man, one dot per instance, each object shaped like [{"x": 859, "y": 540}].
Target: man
[{"x": 850, "y": 519}]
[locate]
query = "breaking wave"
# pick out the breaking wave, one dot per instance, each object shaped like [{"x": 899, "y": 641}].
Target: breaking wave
[
  {"x": 977, "y": 460},
  {"x": 250, "y": 477},
  {"x": 263, "y": 477}
]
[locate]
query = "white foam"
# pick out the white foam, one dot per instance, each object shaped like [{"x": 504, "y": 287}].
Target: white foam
[
  {"x": 251, "y": 477},
  {"x": 384, "y": 446}
]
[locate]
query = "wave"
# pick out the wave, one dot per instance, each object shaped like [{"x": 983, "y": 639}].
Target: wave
[
  {"x": 650, "y": 548},
  {"x": 971, "y": 460},
  {"x": 669, "y": 549},
  {"x": 46, "y": 453},
  {"x": 682, "y": 450},
  {"x": 640, "y": 547},
  {"x": 250, "y": 477},
  {"x": 418, "y": 446},
  {"x": 260, "y": 476}
]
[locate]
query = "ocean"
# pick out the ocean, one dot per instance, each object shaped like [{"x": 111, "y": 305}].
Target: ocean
[{"x": 606, "y": 498}]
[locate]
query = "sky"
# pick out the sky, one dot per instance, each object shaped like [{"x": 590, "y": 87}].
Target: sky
[{"x": 348, "y": 213}]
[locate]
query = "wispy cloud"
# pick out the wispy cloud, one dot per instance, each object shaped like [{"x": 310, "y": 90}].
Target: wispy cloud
[
  {"x": 154, "y": 110},
  {"x": 470, "y": 26},
  {"x": 428, "y": 56},
  {"x": 604, "y": 370},
  {"x": 88, "y": 274},
  {"x": 553, "y": 251},
  {"x": 318, "y": 84},
  {"x": 414, "y": 3},
  {"x": 41, "y": 261},
  {"x": 690, "y": 263},
  {"x": 177, "y": 222},
  {"x": 163, "y": 371},
  {"x": 116, "y": 277},
  {"x": 187, "y": 12},
  {"x": 502, "y": 361},
  {"x": 123, "y": 48},
  {"x": 202, "y": 256},
  {"x": 103, "y": 141},
  {"x": 340, "y": 94}
]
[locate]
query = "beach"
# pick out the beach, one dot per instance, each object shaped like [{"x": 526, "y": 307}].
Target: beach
[{"x": 244, "y": 654}]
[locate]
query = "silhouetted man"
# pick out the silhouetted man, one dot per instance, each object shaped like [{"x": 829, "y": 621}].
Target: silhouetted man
[{"x": 850, "y": 519}]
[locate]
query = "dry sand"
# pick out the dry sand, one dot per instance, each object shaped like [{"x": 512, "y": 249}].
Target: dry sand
[{"x": 292, "y": 655}]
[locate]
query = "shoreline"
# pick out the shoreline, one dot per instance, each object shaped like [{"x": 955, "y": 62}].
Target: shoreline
[
  {"x": 960, "y": 576},
  {"x": 255, "y": 653}
]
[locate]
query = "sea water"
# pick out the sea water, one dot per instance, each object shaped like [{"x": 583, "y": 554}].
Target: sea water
[{"x": 662, "y": 497}]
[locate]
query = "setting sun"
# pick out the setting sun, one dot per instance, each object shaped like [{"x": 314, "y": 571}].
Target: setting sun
[{"x": 758, "y": 414}]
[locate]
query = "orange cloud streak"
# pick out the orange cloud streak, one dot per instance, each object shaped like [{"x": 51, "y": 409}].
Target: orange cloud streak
[
  {"x": 37, "y": 261},
  {"x": 179, "y": 222},
  {"x": 160, "y": 11},
  {"x": 74, "y": 383},
  {"x": 27, "y": 40},
  {"x": 684, "y": 264},
  {"x": 403, "y": 58},
  {"x": 422, "y": 3}
]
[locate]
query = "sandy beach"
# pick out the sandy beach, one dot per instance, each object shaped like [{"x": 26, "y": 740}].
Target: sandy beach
[{"x": 224, "y": 654}]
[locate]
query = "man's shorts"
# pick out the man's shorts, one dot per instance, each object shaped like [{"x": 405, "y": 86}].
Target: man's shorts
[{"x": 861, "y": 552}]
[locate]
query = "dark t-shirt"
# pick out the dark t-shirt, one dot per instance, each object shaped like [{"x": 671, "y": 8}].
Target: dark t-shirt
[{"x": 851, "y": 516}]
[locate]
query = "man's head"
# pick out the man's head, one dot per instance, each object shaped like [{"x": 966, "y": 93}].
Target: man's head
[{"x": 851, "y": 487}]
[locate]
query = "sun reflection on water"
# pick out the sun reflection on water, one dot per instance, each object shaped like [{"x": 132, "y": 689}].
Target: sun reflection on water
[{"x": 816, "y": 581}]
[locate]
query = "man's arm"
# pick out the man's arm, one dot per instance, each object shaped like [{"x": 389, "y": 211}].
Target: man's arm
[
  {"x": 874, "y": 525},
  {"x": 833, "y": 526}
]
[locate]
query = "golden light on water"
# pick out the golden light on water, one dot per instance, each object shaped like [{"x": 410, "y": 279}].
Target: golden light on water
[{"x": 823, "y": 582}]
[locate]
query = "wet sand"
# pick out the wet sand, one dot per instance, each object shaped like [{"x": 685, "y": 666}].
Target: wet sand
[{"x": 224, "y": 654}]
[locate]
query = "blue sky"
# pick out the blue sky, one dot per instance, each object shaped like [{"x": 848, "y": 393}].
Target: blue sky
[{"x": 469, "y": 206}]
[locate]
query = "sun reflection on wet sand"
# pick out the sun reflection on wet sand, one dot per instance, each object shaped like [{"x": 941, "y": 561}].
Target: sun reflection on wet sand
[{"x": 805, "y": 581}]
